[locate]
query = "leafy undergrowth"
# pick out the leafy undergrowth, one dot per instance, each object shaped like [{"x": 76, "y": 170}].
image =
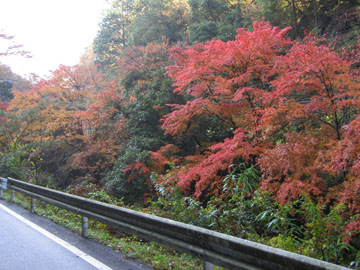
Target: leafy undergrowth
[
  {"x": 303, "y": 226},
  {"x": 150, "y": 253}
]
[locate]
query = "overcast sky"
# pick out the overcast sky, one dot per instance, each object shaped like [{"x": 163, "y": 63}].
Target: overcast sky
[{"x": 54, "y": 31}]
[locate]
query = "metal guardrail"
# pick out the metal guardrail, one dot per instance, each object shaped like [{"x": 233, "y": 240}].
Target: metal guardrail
[{"x": 220, "y": 249}]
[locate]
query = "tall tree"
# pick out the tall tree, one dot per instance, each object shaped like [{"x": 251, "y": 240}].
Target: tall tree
[
  {"x": 321, "y": 91},
  {"x": 114, "y": 34},
  {"x": 228, "y": 81},
  {"x": 156, "y": 20},
  {"x": 53, "y": 128},
  {"x": 217, "y": 19},
  {"x": 146, "y": 89},
  {"x": 330, "y": 17}
]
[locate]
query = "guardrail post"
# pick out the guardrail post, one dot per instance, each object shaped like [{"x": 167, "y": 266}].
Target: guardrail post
[
  {"x": 3, "y": 185},
  {"x": 12, "y": 196},
  {"x": 32, "y": 205},
  {"x": 208, "y": 266},
  {"x": 84, "y": 231}
]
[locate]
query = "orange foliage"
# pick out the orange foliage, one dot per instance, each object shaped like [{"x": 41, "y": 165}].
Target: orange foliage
[{"x": 71, "y": 107}]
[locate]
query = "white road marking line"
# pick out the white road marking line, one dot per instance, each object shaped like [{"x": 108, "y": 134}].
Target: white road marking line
[{"x": 99, "y": 265}]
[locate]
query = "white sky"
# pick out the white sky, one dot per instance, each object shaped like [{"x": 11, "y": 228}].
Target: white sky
[{"x": 54, "y": 31}]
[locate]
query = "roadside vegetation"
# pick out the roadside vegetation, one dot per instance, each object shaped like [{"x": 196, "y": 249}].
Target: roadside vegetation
[{"x": 236, "y": 116}]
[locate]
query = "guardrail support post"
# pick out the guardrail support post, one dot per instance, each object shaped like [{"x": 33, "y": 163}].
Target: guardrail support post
[
  {"x": 84, "y": 231},
  {"x": 12, "y": 196},
  {"x": 32, "y": 205},
  {"x": 208, "y": 266},
  {"x": 3, "y": 185}
]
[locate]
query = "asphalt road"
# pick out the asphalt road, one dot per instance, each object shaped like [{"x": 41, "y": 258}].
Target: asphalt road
[{"x": 31, "y": 242}]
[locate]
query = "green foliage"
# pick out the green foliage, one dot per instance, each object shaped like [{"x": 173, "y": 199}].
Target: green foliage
[
  {"x": 323, "y": 233},
  {"x": 156, "y": 20},
  {"x": 304, "y": 227},
  {"x": 229, "y": 23},
  {"x": 117, "y": 182},
  {"x": 323, "y": 16},
  {"x": 15, "y": 164},
  {"x": 113, "y": 35},
  {"x": 301, "y": 226},
  {"x": 208, "y": 9},
  {"x": 203, "y": 31},
  {"x": 158, "y": 256},
  {"x": 241, "y": 181},
  {"x": 279, "y": 220},
  {"x": 94, "y": 192},
  {"x": 234, "y": 213},
  {"x": 10, "y": 81},
  {"x": 173, "y": 205},
  {"x": 216, "y": 19},
  {"x": 5, "y": 90},
  {"x": 143, "y": 117},
  {"x": 356, "y": 263}
]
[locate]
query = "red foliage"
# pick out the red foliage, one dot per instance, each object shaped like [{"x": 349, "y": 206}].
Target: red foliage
[
  {"x": 182, "y": 119},
  {"x": 288, "y": 169},
  {"x": 3, "y": 107},
  {"x": 206, "y": 171},
  {"x": 166, "y": 155},
  {"x": 351, "y": 229},
  {"x": 137, "y": 169},
  {"x": 228, "y": 80},
  {"x": 222, "y": 69},
  {"x": 293, "y": 105}
]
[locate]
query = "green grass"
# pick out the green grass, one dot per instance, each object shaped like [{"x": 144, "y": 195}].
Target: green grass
[{"x": 150, "y": 253}]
